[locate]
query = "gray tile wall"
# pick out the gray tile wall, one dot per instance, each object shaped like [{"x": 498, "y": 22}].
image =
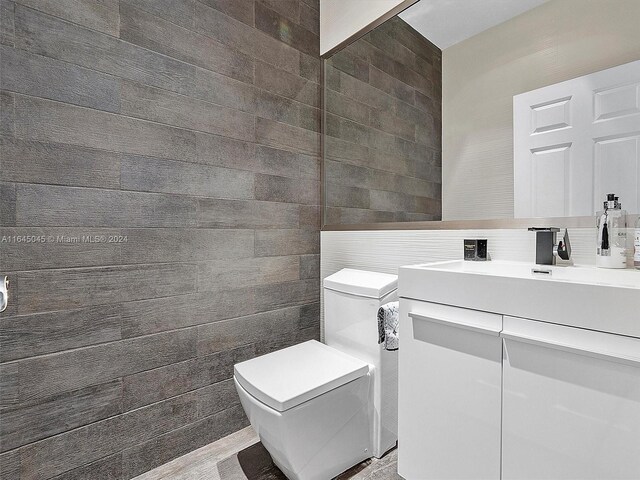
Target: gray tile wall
[
  {"x": 383, "y": 97},
  {"x": 159, "y": 217}
]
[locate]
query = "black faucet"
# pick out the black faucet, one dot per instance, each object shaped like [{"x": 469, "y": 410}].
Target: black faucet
[{"x": 546, "y": 247}]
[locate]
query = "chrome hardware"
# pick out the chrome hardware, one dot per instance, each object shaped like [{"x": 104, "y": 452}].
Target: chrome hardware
[
  {"x": 542, "y": 271},
  {"x": 547, "y": 248},
  {"x": 4, "y": 293}
]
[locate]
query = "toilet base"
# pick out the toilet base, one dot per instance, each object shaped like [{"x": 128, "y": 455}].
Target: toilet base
[{"x": 320, "y": 438}]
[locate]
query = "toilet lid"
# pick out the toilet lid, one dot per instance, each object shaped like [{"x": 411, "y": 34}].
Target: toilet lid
[
  {"x": 293, "y": 375},
  {"x": 362, "y": 283}
]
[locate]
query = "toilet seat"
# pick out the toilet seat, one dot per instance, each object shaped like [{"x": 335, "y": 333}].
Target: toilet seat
[{"x": 291, "y": 376}]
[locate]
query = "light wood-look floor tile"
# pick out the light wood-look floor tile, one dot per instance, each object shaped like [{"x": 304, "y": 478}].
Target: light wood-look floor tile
[{"x": 220, "y": 461}]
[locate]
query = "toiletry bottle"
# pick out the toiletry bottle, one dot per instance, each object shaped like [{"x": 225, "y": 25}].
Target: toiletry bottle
[
  {"x": 636, "y": 243},
  {"x": 612, "y": 235}
]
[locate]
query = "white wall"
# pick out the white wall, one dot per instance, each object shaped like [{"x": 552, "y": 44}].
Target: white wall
[
  {"x": 560, "y": 40},
  {"x": 342, "y": 19}
]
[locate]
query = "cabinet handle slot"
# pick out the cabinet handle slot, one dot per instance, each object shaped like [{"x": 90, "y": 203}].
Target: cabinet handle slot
[
  {"x": 455, "y": 324},
  {"x": 572, "y": 348}
]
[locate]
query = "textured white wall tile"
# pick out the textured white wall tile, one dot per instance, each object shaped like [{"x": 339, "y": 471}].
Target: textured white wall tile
[{"x": 386, "y": 250}]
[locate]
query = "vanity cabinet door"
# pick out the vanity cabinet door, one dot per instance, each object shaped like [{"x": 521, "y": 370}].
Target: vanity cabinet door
[
  {"x": 449, "y": 392},
  {"x": 571, "y": 403}
]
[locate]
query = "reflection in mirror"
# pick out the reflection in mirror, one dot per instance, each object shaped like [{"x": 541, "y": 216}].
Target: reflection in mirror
[
  {"x": 577, "y": 141},
  {"x": 491, "y": 51},
  {"x": 556, "y": 41},
  {"x": 382, "y": 143}
]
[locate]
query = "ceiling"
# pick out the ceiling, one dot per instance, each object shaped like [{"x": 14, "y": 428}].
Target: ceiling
[{"x": 447, "y": 22}]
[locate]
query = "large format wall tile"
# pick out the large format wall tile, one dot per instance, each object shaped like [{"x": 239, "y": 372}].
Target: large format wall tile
[
  {"x": 159, "y": 217},
  {"x": 28, "y": 161},
  {"x": 215, "y": 213},
  {"x": 286, "y": 84},
  {"x": 239, "y": 9},
  {"x": 290, "y": 190},
  {"x": 31, "y": 422},
  {"x": 383, "y": 125},
  {"x": 182, "y": 377},
  {"x": 154, "y": 315},
  {"x": 147, "y": 174},
  {"x": 38, "y": 334},
  {"x": 163, "y": 245},
  {"x": 169, "y": 108},
  {"x": 288, "y": 294},
  {"x": 48, "y": 121},
  {"x": 100, "y": 15},
  {"x": 262, "y": 328},
  {"x": 46, "y": 376},
  {"x": 45, "y": 205},
  {"x": 57, "y": 454},
  {"x": 8, "y": 204},
  {"x": 107, "y": 468},
  {"x": 30, "y": 74},
  {"x": 145, "y": 30},
  {"x": 51, "y": 37},
  {"x": 48, "y": 290},
  {"x": 279, "y": 242},
  {"x": 286, "y": 136},
  {"x": 180, "y": 12},
  {"x": 250, "y": 41},
  {"x": 60, "y": 247},
  {"x": 7, "y": 113},
  {"x": 7, "y": 8},
  {"x": 278, "y": 26},
  {"x": 166, "y": 447},
  {"x": 224, "y": 274}
]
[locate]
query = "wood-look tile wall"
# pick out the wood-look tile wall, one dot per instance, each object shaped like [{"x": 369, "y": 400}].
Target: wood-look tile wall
[
  {"x": 187, "y": 133},
  {"x": 383, "y": 97}
]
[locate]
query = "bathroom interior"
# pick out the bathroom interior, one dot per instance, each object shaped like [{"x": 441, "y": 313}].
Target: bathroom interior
[{"x": 318, "y": 239}]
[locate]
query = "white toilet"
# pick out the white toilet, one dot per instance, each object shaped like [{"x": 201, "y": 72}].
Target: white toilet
[{"x": 320, "y": 409}]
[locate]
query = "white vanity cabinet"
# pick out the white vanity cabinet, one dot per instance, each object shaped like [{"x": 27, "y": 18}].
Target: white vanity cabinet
[
  {"x": 450, "y": 392},
  {"x": 504, "y": 374},
  {"x": 571, "y": 403}
]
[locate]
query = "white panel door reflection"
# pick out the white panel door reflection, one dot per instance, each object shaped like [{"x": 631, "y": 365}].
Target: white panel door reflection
[
  {"x": 576, "y": 141},
  {"x": 617, "y": 167},
  {"x": 551, "y": 167}
]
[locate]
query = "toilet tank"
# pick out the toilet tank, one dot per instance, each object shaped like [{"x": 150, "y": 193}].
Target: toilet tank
[{"x": 351, "y": 302}]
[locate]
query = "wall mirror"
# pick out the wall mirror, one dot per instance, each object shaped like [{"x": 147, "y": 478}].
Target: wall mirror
[
  {"x": 419, "y": 119},
  {"x": 382, "y": 144}
]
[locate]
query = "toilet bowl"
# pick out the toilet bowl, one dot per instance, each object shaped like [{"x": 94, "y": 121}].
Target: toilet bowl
[
  {"x": 309, "y": 404},
  {"x": 321, "y": 408}
]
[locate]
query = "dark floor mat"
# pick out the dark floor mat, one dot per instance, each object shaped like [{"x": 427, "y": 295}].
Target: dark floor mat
[{"x": 256, "y": 464}]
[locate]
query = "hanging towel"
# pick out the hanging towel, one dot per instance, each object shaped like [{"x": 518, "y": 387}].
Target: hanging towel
[{"x": 388, "y": 318}]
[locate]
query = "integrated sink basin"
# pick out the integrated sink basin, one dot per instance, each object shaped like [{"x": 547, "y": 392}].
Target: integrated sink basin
[{"x": 580, "y": 296}]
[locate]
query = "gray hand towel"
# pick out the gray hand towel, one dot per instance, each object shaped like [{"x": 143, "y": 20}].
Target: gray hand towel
[{"x": 388, "y": 319}]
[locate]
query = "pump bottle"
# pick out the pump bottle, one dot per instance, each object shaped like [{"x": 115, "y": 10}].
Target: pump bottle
[
  {"x": 636, "y": 243},
  {"x": 611, "y": 249}
]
